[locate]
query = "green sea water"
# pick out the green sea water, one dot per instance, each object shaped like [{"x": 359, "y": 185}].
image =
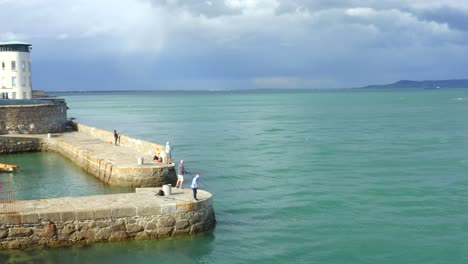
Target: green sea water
[{"x": 297, "y": 177}]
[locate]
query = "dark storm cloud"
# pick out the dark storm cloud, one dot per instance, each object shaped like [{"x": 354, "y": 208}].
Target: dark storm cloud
[{"x": 248, "y": 43}]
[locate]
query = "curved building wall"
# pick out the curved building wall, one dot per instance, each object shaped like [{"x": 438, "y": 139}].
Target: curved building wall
[
  {"x": 15, "y": 75},
  {"x": 33, "y": 118}
]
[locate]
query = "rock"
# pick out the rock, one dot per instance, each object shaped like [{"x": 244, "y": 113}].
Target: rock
[
  {"x": 4, "y": 233},
  {"x": 65, "y": 232},
  {"x": 49, "y": 231},
  {"x": 165, "y": 231},
  {"x": 118, "y": 236},
  {"x": 118, "y": 227},
  {"x": 182, "y": 224},
  {"x": 134, "y": 228},
  {"x": 85, "y": 235},
  {"x": 143, "y": 235},
  {"x": 197, "y": 228},
  {"x": 82, "y": 226},
  {"x": 103, "y": 234},
  {"x": 151, "y": 226},
  {"x": 166, "y": 221},
  {"x": 20, "y": 232}
]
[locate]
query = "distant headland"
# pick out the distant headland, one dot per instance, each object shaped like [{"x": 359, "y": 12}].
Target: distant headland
[
  {"x": 428, "y": 84},
  {"x": 402, "y": 84}
]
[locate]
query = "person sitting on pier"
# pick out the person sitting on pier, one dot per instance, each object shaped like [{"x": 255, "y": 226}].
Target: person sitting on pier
[
  {"x": 157, "y": 158},
  {"x": 180, "y": 175}
]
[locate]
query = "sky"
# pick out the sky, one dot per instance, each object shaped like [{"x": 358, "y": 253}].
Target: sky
[{"x": 237, "y": 44}]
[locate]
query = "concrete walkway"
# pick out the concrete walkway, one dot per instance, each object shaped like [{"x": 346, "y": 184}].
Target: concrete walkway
[
  {"x": 141, "y": 202},
  {"x": 119, "y": 155}
]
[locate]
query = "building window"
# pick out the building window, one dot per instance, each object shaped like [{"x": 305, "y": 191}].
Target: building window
[
  {"x": 4, "y": 95},
  {"x": 23, "y": 81},
  {"x": 3, "y": 65},
  {"x": 24, "y": 95},
  {"x": 23, "y": 66},
  {"x": 3, "y": 82},
  {"x": 13, "y": 81},
  {"x": 13, "y": 65},
  {"x": 13, "y": 96}
]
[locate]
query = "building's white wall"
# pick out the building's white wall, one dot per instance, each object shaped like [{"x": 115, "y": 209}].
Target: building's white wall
[{"x": 21, "y": 92}]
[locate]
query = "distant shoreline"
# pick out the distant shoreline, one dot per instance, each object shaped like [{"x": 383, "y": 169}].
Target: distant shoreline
[
  {"x": 360, "y": 89},
  {"x": 399, "y": 85}
]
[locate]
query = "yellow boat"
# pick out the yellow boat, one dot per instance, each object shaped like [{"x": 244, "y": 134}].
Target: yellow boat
[{"x": 8, "y": 167}]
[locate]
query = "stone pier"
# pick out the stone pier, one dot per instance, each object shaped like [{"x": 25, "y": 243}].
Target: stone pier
[
  {"x": 93, "y": 150},
  {"x": 103, "y": 218}
]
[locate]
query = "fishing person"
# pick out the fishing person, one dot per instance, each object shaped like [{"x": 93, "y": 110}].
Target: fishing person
[
  {"x": 116, "y": 137},
  {"x": 194, "y": 185},
  {"x": 168, "y": 153},
  {"x": 180, "y": 175}
]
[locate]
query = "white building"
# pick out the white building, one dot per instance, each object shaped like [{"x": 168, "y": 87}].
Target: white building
[{"x": 15, "y": 71}]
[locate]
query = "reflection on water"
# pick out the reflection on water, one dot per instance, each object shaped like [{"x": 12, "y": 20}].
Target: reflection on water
[{"x": 49, "y": 175}]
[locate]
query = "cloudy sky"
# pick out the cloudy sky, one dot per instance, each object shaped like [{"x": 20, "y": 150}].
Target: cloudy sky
[{"x": 237, "y": 44}]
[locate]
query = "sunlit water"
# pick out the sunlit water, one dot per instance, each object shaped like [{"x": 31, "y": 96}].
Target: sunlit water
[{"x": 297, "y": 177}]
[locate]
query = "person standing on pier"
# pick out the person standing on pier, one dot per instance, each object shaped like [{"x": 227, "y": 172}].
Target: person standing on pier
[
  {"x": 116, "y": 137},
  {"x": 168, "y": 153},
  {"x": 180, "y": 175},
  {"x": 194, "y": 185}
]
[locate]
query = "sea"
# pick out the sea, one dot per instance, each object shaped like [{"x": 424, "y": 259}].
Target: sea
[{"x": 296, "y": 176}]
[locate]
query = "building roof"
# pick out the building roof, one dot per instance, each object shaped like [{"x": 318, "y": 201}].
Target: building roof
[{"x": 14, "y": 43}]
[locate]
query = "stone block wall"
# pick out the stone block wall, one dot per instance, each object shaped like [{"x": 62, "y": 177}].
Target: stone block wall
[
  {"x": 69, "y": 226},
  {"x": 33, "y": 118},
  {"x": 14, "y": 145},
  {"x": 112, "y": 174}
]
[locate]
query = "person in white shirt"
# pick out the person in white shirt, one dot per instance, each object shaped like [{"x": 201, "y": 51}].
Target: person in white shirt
[{"x": 168, "y": 153}]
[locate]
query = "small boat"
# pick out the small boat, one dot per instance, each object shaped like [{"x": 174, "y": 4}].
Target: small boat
[{"x": 8, "y": 167}]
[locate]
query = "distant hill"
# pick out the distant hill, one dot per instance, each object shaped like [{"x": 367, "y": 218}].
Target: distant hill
[{"x": 430, "y": 84}]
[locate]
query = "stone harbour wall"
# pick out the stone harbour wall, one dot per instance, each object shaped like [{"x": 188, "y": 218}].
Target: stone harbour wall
[
  {"x": 14, "y": 145},
  {"x": 103, "y": 164},
  {"x": 144, "y": 147},
  {"x": 114, "y": 174},
  {"x": 68, "y": 221},
  {"x": 49, "y": 117}
]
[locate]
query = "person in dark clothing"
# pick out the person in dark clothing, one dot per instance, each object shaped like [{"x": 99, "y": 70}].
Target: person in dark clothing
[{"x": 116, "y": 137}]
